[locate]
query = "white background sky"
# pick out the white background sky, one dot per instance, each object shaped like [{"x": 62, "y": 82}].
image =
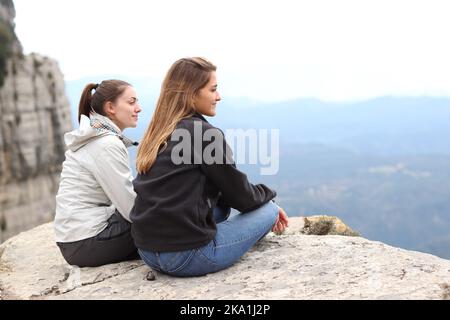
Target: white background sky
[{"x": 268, "y": 50}]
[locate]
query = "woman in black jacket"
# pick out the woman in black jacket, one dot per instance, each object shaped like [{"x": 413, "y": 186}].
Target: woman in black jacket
[{"x": 187, "y": 182}]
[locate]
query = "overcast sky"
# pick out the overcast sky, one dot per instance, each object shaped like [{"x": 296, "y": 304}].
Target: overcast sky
[{"x": 267, "y": 50}]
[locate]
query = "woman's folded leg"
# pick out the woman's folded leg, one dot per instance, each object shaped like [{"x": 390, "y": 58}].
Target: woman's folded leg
[{"x": 234, "y": 238}]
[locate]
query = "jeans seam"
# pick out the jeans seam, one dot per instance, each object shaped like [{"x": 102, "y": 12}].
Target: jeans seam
[
  {"x": 158, "y": 260},
  {"x": 148, "y": 262},
  {"x": 202, "y": 255},
  {"x": 173, "y": 259},
  {"x": 188, "y": 259}
]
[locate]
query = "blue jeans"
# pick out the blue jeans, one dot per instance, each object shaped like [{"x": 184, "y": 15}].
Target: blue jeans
[{"x": 234, "y": 237}]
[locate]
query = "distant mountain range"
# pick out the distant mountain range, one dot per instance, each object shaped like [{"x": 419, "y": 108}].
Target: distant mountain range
[
  {"x": 387, "y": 125},
  {"x": 382, "y": 165}
]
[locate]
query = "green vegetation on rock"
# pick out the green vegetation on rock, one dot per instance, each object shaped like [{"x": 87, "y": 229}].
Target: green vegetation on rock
[
  {"x": 7, "y": 38},
  {"x": 326, "y": 225}
]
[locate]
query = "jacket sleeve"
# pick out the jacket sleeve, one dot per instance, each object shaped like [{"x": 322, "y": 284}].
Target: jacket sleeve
[
  {"x": 114, "y": 175},
  {"x": 236, "y": 191}
]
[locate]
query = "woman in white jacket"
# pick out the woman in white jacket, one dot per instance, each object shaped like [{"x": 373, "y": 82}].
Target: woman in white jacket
[{"x": 92, "y": 224}]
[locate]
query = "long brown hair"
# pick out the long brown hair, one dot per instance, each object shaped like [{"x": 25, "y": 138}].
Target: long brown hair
[
  {"x": 183, "y": 81},
  {"x": 108, "y": 90}
]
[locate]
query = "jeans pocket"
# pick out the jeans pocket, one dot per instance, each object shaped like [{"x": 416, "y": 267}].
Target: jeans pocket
[
  {"x": 198, "y": 265},
  {"x": 174, "y": 261}
]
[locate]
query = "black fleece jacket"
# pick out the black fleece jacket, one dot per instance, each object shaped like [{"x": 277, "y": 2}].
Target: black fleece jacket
[{"x": 174, "y": 203}]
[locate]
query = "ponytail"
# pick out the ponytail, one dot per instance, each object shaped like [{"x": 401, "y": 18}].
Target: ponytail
[
  {"x": 107, "y": 90},
  {"x": 86, "y": 101}
]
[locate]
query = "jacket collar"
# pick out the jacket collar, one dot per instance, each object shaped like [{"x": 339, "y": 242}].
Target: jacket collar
[{"x": 199, "y": 116}]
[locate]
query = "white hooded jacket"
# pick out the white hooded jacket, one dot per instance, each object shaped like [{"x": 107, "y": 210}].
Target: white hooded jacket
[{"x": 96, "y": 180}]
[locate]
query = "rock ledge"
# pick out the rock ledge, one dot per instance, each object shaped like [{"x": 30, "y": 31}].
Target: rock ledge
[{"x": 290, "y": 266}]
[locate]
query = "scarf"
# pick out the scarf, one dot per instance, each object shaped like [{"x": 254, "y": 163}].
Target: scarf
[{"x": 104, "y": 125}]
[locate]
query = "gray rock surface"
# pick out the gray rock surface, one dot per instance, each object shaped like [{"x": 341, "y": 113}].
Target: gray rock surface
[
  {"x": 34, "y": 115},
  {"x": 7, "y": 11},
  {"x": 290, "y": 266}
]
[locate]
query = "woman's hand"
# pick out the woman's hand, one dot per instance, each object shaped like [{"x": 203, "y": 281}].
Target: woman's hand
[{"x": 281, "y": 223}]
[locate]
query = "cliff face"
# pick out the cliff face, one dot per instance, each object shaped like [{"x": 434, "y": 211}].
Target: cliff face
[
  {"x": 34, "y": 115},
  {"x": 9, "y": 43},
  {"x": 7, "y": 11},
  {"x": 291, "y": 266}
]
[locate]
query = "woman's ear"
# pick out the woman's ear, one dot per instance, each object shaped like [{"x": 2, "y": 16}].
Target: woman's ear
[
  {"x": 194, "y": 100},
  {"x": 109, "y": 108}
]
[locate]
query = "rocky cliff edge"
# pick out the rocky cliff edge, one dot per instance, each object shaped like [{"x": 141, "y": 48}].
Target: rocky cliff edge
[{"x": 289, "y": 266}]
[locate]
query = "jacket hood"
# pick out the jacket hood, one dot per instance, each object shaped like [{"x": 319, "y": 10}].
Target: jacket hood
[{"x": 78, "y": 138}]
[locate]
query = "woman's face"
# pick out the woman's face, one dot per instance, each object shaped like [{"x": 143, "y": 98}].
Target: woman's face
[
  {"x": 206, "y": 99},
  {"x": 124, "y": 111}
]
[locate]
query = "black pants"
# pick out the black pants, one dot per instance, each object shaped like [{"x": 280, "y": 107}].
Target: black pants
[{"x": 112, "y": 245}]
